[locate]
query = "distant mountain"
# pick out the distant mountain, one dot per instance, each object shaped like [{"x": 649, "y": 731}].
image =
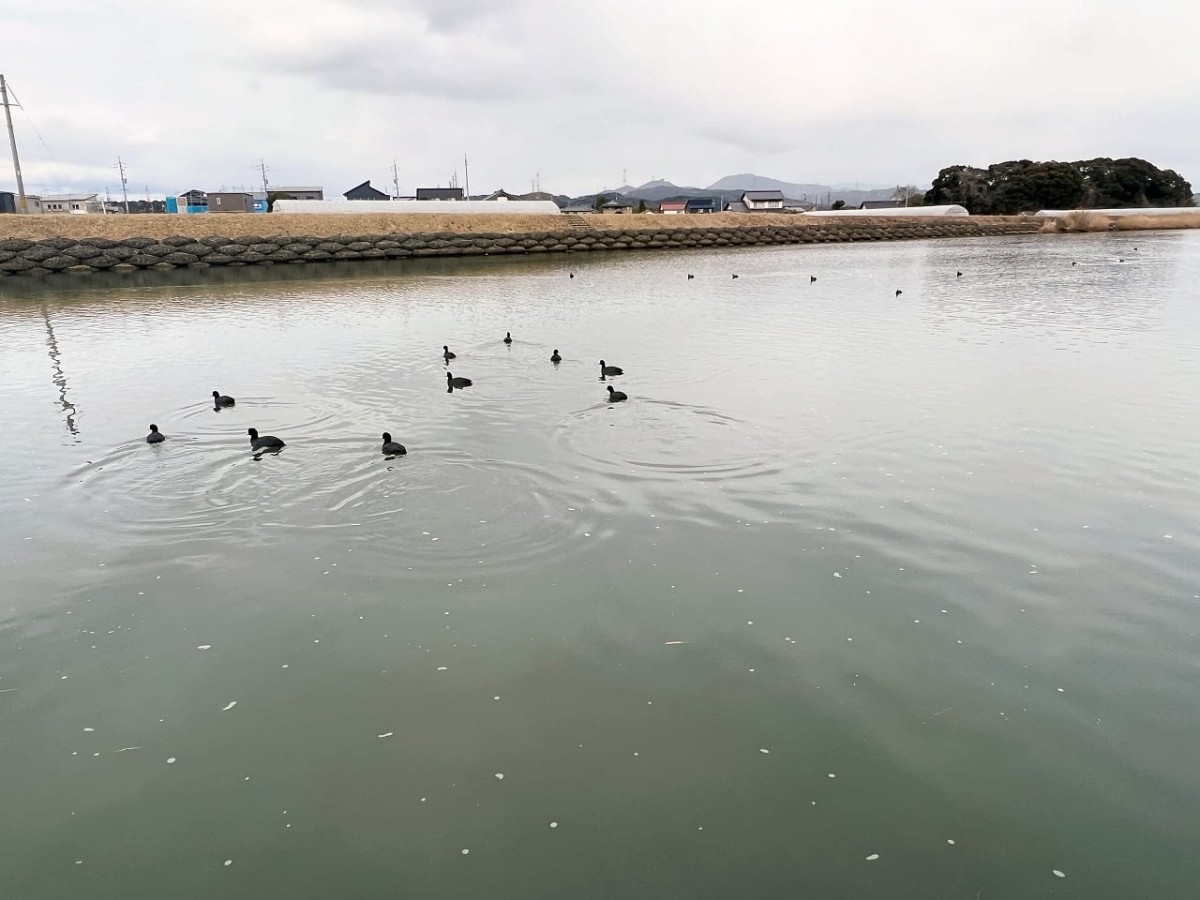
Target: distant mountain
[
  {"x": 861, "y": 186},
  {"x": 748, "y": 182},
  {"x": 731, "y": 187}
]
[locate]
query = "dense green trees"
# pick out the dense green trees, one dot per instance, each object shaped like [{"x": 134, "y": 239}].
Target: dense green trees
[{"x": 1021, "y": 185}]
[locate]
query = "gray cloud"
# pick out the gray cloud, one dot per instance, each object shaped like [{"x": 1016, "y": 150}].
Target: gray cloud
[{"x": 582, "y": 92}]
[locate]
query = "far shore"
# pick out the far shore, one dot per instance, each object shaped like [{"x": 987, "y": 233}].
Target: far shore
[{"x": 119, "y": 227}]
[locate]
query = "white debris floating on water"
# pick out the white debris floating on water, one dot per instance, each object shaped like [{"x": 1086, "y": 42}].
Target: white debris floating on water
[
  {"x": 231, "y": 705},
  {"x": 763, "y": 750},
  {"x": 387, "y": 734},
  {"x": 204, "y": 647},
  {"x": 873, "y": 857},
  {"x": 170, "y": 760},
  {"x": 1058, "y": 873},
  {"x": 499, "y": 776},
  {"x": 465, "y": 851},
  {"x": 229, "y": 862}
]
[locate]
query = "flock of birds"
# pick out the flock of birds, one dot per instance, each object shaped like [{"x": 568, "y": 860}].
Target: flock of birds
[{"x": 268, "y": 443}]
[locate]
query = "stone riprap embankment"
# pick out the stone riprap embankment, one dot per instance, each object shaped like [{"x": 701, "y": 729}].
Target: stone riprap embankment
[{"x": 83, "y": 255}]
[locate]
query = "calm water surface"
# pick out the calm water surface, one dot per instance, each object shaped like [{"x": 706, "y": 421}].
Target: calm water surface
[{"x": 858, "y": 596}]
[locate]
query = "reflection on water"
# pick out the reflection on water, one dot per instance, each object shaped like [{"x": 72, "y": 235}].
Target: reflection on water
[
  {"x": 60, "y": 379},
  {"x": 855, "y": 591}
]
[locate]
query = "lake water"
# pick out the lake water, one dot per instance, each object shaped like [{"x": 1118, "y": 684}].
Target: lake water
[{"x": 857, "y": 596}]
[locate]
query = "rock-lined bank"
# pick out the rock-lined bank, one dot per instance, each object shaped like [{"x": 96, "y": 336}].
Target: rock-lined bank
[{"x": 53, "y": 255}]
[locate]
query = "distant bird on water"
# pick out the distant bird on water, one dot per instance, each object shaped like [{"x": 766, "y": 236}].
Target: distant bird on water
[
  {"x": 735, "y": 276},
  {"x": 615, "y": 396},
  {"x": 555, "y": 358},
  {"x": 508, "y": 337},
  {"x": 958, "y": 275},
  {"x": 448, "y": 354},
  {"x": 266, "y": 442},
  {"x": 610, "y": 370},
  {"x": 155, "y": 436},
  {"x": 572, "y": 275},
  {"x": 392, "y": 448},
  {"x": 220, "y": 399},
  {"x": 452, "y": 382},
  {"x": 690, "y": 277},
  {"x": 812, "y": 278},
  {"x": 899, "y": 292},
  {"x": 1074, "y": 263}
]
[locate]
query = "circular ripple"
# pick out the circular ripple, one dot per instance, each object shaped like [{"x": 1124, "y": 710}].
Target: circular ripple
[{"x": 692, "y": 459}]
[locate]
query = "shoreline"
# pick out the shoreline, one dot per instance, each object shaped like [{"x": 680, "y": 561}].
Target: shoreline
[{"x": 80, "y": 245}]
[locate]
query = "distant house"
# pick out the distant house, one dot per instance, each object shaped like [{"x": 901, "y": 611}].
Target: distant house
[
  {"x": 364, "y": 191},
  {"x": 736, "y": 206},
  {"x": 10, "y": 201},
  {"x": 300, "y": 193},
  {"x": 760, "y": 200},
  {"x": 880, "y": 204},
  {"x": 73, "y": 204},
  {"x": 501, "y": 195},
  {"x": 703, "y": 205},
  {"x": 797, "y": 206},
  {"x": 230, "y": 202},
  {"x": 673, "y": 207},
  {"x": 440, "y": 193},
  {"x": 617, "y": 206},
  {"x": 192, "y": 201},
  {"x": 577, "y": 209},
  {"x": 537, "y": 195}
]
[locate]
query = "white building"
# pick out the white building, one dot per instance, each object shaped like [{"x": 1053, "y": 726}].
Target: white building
[
  {"x": 73, "y": 204},
  {"x": 755, "y": 200}
]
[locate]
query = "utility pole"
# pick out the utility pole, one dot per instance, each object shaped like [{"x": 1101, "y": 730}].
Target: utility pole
[
  {"x": 262, "y": 168},
  {"x": 12, "y": 141},
  {"x": 467, "y": 176},
  {"x": 124, "y": 183},
  {"x": 395, "y": 181}
]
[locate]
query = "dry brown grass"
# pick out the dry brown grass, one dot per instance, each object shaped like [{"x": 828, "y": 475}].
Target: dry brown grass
[
  {"x": 1157, "y": 223},
  {"x": 1084, "y": 221},
  {"x": 300, "y": 224}
]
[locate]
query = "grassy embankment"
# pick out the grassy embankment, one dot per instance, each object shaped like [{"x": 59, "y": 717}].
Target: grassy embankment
[
  {"x": 1084, "y": 221},
  {"x": 316, "y": 225}
]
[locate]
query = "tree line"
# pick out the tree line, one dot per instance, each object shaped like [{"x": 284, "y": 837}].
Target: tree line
[{"x": 1017, "y": 186}]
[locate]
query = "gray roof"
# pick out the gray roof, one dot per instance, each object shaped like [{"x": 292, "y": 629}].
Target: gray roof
[
  {"x": 762, "y": 195},
  {"x": 308, "y": 190}
]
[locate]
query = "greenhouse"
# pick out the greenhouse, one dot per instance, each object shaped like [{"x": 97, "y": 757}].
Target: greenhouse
[{"x": 925, "y": 212}]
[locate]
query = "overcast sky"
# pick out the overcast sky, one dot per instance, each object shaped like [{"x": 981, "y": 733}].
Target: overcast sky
[{"x": 329, "y": 92}]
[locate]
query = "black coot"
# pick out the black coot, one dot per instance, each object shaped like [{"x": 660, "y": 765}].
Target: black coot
[
  {"x": 453, "y": 382},
  {"x": 555, "y": 358},
  {"x": 508, "y": 337},
  {"x": 448, "y": 354},
  {"x": 610, "y": 370},
  {"x": 220, "y": 399},
  {"x": 155, "y": 436},
  {"x": 392, "y": 448},
  {"x": 899, "y": 292},
  {"x": 615, "y": 396},
  {"x": 266, "y": 442}
]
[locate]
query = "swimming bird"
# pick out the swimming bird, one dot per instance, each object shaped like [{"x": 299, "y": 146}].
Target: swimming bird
[
  {"x": 155, "y": 436},
  {"x": 958, "y": 275},
  {"x": 572, "y": 274},
  {"x": 392, "y": 448},
  {"x": 610, "y": 370},
  {"x": 266, "y": 442},
  {"x": 220, "y": 399},
  {"x": 735, "y": 276},
  {"x": 899, "y": 292},
  {"x": 812, "y": 278},
  {"x": 1074, "y": 263},
  {"x": 555, "y": 358},
  {"x": 453, "y": 382},
  {"x": 615, "y": 396},
  {"x": 447, "y": 354},
  {"x": 508, "y": 337},
  {"x": 690, "y": 277}
]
